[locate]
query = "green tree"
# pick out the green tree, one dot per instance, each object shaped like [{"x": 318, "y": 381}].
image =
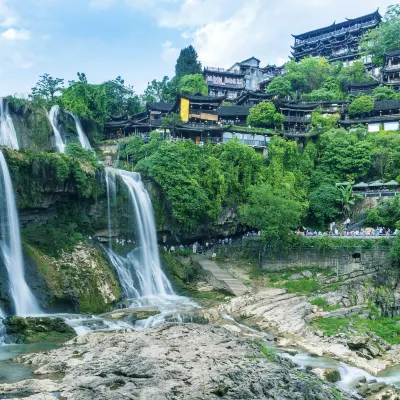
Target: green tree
[
  {"x": 47, "y": 87},
  {"x": 384, "y": 93},
  {"x": 267, "y": 210},
  {"x": 361, "y": 105},
  {"x": 344, "y": 155},
  {"x": 192, "y": 84},
  {"x": 122, "y": 99},
  {"x": 171, "y": 120},
  {"x": 187, "y": 63},
  {"x": 161, "y": 91},
  {"x": 323, "y": 204},
  {"x": 86, "y": 100},
  {"x": 322, "y": 122},
  {"x": 355, "y": 73},
  {"x": 280, "y": 86},
  {"x": 385, "y": 38},
  {"x": 347, "y": 199},
  {"x": 264, "y": 115}
]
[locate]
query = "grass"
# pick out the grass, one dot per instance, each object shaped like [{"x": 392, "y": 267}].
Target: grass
[
  {"x": 323, "y": 303},
  {"x": 266, "y": 352},
  {"x": 386, "y": 328},
  {"x": 304, "y": 286}
]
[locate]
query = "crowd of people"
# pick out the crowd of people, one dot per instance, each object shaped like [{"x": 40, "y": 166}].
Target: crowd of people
[{"x": 379, "y": 231}]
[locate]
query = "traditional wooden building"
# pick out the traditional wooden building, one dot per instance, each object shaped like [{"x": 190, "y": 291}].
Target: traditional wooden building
[
  {"x": 251, "y": 98},
  {"x": 362, "y": 88},
  {"x": 391, "y": 70},
  {"x": 337, "y": 41},
  {"x": 233, "y": 115},
  {"x": 385, "y": 115},
  {"x": 222, "y": 82}
]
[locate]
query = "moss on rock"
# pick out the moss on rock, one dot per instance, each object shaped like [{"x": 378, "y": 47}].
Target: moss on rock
[
  {"x": 81, "y": 281},
  {"x": 34, "y": 330}
]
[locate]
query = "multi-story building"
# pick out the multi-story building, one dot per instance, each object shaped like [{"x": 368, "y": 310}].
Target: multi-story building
[
  {"x": 337, "y": 42},
  {"x": 239, "y": 78},
  {"x": 391, "y": 70}
]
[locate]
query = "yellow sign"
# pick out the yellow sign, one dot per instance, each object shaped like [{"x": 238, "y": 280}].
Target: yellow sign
[{"x": 184, "y": 110}]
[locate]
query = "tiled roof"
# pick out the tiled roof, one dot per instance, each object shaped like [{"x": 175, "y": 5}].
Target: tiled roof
[
  {"x": 228, "y": 111},
  {"x": 160, "y": 106},
  {"x": 387, "y": 105}
]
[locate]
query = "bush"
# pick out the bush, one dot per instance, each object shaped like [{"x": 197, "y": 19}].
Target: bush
[{"x": 361, "y": 105}]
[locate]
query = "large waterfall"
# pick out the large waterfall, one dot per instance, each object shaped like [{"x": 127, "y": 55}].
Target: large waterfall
[
  {"x": 10, "y": 246},
  {"x": 140, "y": 271},
  {"x": 81, "y": 133},
  {"x": 53, "y": 118},
  {"x": 8, "y": 136}
]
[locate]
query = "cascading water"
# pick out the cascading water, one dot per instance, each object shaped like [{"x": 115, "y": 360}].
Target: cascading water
[
  {"x": 8, "y": 136},
  {"x": 111, "y": 197},
  {"x": 81, "y": 133},
  {"x": 140, "y": 271},
  {"x": 10, "y": 246},
  {"x": 53, "y": 118}
]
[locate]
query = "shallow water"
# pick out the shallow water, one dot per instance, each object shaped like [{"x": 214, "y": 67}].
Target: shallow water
[{"x": 11, "y": 372}]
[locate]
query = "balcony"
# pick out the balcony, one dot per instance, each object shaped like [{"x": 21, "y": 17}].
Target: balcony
[{"x": 306, "y": 120}]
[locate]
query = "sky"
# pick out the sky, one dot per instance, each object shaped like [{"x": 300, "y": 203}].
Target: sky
[{"x": 140, "y": 40}]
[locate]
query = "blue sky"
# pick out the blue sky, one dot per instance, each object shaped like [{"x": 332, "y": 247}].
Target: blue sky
[{"x": 140, "y": 39}]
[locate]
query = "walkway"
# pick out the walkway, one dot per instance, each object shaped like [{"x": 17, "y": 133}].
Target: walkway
[{"x": 235, "y": 285}]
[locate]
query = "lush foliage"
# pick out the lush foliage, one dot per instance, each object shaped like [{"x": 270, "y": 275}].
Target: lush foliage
[
  {"x": 315, "y": 79},
  {"x": 47, "y": 87},
  {"x": 198, "y": 181},
  {"x": 193, "y": 84},
  {"x": 86, "y": 100},
  {"x": 264, "y": 115},
  {"x": 161, "y": 91},
  {"x": 187, "y": 63},
  {"x": 269, "y": 211},
  {"x": 385, "y": 93},
  {"x": 386, "y": 37},
  {"x": 361, "y": 105}
]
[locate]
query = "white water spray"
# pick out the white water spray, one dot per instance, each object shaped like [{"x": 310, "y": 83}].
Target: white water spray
[
  {"x": 53, "y": 118},
  {"x": 10, "y": 246},
  {"x": 81, "y": 133},
  {"x": 140, "y": 271},
  {"x": 8, "y": 136}
]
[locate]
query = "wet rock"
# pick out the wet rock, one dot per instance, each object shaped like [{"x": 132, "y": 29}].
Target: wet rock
[
  {"x": 33, "y": 330},
  {"x": 328, "y": 374},
  {"x": 357, "y": 342},
  {"x": 183, "y": 362},
  {"x": 133, "y": 314}
]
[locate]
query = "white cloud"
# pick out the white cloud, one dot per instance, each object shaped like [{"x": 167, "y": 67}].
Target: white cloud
[
  {"x": 15, "y": 34},
  {"x": 8, "y": 17}
]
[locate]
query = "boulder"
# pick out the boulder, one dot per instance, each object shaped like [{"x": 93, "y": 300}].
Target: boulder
[
  {"x": 357, "y": 342},
  {"x": 37, "y": 329},
  {"x": 307, "y": 274},
  {"x": 132, "y": 314},
  {"x": 328, "y": 374}
]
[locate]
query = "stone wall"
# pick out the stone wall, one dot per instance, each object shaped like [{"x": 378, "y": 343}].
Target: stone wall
[{"x": 344, "y": 261}]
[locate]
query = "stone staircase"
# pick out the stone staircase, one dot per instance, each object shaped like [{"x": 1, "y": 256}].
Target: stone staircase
[{"x": 235, "y": 286}]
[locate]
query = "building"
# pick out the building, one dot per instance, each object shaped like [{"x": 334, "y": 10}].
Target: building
[
  {"x": 385, "y": 115},
  {"x": 222, "y": 82},
  {"x": 337, "y": 42},
  {"x": 391, "y": 69},
  {"x": 362, "y": 88},
  {"x": 251, "y": 99},
  {"x": 233, "y": 115},
  {"x": 242, "y": 76}
]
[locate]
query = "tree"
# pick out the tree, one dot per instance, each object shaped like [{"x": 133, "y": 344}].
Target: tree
[
  {"x": 86, "y": 100},
  {"x": 122, "y": 100},
  {"x": 355, "y": 73},
  {"x": 323, "y": 204},
  {"x": 384, "y": 93},
  {"x": 347, "y": 199},
  {"x": 386, "y": 37},
  {"x": 171, "y": 120},
  {"x": 47, "y": 87},
  {"x": 192, "y": 84},
  {"x": 323, "y": 122},
  {"x": 267, "y": 210},
  {"x": 187, "y": 63},
  {"x": 361, "y": 105},
  {"x": 279, "y": 86},
  {"x": 265, "y": 115},
  {"x": 160, "y": 91}
]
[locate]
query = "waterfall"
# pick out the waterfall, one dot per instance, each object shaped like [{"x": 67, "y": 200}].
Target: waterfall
[
  {"x": 53, "y": 118},
  {"x": 8, "y": 136},
  {"x": 81, "y": 133},
  {"x": 10, "y": 246},
  {"x": 140, "y": 271},
  {"x": 111, "y": 198}
]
